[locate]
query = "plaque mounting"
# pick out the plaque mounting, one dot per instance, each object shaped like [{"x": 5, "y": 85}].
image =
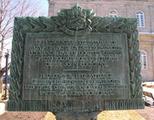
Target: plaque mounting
[{"x": 75, "y": 62}]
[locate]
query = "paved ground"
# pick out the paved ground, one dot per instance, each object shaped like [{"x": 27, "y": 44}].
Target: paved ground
[
  {"x": 23, "y": 116},
  {"x": 147, "y": 114}
]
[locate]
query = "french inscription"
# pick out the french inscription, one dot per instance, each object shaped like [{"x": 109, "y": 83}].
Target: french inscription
[{"x": 57, "y": 65}]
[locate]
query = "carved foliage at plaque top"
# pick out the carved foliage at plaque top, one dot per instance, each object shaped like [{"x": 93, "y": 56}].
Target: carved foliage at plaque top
[
  {"x": 97, "y": 24},
  {"x": 114, "y": 24}
]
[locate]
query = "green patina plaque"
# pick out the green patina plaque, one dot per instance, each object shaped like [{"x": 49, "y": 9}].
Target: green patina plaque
[
  {"x": 92, "y": 65},
  {"x": 75, "y": 62}
]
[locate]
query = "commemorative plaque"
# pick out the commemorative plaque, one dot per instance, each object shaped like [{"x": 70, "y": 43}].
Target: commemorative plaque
[{"x": 75, "y": 62}]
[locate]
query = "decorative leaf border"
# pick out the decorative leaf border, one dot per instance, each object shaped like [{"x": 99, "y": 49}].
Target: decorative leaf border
[{"x": 98, "y": 24}]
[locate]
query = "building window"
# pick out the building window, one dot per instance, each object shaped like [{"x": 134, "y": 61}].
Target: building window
[
  {"x": 113, "y": 13},
  {"x": 143, "y": 59},
  {"x": 140, "y": 19}
]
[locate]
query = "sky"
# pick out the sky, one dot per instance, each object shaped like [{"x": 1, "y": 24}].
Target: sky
[{"x": 43, "y": 6}]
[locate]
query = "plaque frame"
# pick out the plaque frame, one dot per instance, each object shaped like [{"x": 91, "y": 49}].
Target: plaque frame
[{"x": 88, "y": 23}]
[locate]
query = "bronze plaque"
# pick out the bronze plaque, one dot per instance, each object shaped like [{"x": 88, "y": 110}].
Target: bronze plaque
[
  {"x": 57, "y": 65},
  {"x": 75, "y": 62}
]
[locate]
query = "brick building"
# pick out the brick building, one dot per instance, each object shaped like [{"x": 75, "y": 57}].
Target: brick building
[{"x": 141, "y": 9}]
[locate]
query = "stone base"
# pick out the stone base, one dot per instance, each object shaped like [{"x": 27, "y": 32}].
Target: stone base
[{"x": 76, "y": 116}]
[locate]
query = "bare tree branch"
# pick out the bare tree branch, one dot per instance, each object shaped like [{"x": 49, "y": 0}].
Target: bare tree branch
[{"x": 9, "y": 9}]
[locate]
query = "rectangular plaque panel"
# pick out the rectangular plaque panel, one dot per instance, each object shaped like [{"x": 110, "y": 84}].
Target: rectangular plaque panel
[
  {"x": 75, "y": 62},
  {"x": 57, "y": 65}
]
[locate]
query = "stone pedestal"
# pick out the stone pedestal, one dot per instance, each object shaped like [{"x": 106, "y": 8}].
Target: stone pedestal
[{"x": 76, "y": 116}]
